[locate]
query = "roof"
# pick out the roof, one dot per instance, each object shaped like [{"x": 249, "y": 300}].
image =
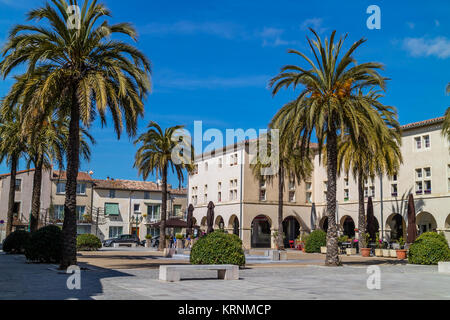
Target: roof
[
  {"x": 126, "y": 185},
  {"x": 18, "y": 172},
  {"x": 422, "y": 123},
  {"x": 133, "y": 185},
  {"x": 62, "y": 175}
]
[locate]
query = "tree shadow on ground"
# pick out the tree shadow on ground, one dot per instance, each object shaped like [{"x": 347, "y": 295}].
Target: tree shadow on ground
[{"x": 30, "y": 281}]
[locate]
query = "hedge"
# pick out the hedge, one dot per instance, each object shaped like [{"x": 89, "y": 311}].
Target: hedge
[
  {"x": 88, "y": 242},
  {"x": 317, "y": 239},
  {"x": 429, "y": 248},
  {"x": 45, "y": 245},
  {"x": 218, "y": 248},
  {"x": 16, "y": 242}
]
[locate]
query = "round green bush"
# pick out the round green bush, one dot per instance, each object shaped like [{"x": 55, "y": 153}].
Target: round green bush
[
  {"x": 317, "y": 239},
  {"x": 16, "y": 242},
  {"x": 88, "y": 242},
  {"x": 218, "y": 248},
  {"x": 45, "y": 245},
  {"x": 429, "y": 248}
]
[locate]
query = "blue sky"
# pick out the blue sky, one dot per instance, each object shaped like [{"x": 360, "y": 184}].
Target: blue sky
[{"x": 212, "y": 60}]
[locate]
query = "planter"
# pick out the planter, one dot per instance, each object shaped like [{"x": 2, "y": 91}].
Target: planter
[
  {"x": 386, "y": 253},
  {"x": 350, "y": 251},
  {"x": 393, "y": 253},
  {"x": 365, "y": 252},
  {"x": 401, "y": 254},
  {"x": 378, "y": 252},
  {"x": 323, "y": 250},
  {"x": 148, "y": 243},
  {"x": 179, "y": 244}
]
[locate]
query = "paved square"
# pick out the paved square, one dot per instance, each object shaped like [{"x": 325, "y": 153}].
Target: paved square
[{"x": 21, "y": 280}]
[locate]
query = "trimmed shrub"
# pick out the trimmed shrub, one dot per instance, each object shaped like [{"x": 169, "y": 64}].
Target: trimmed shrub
[
  {"x": 16, "y": 242},
  {"x": 218, "y": 248},
  {"x": 317, "y": 239},
  {"x": 88, "y": 242},
  {"x": 429, "y": 248},
  {"x": 45, "y": 245}
]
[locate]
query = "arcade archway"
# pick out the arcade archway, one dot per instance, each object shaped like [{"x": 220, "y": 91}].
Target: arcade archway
[
  {"x": 425, "y": 222},
  {"x": 348, "y": 226},
  {"x": 396, "y": 226},
  {"x": 261, "y": 232},
  {"x": 291, "y": 230}
]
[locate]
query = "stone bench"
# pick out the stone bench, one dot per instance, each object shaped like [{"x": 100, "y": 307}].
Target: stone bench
[
  {"x": 444, "y": 267},
  {"x": 171, "y": 273}
]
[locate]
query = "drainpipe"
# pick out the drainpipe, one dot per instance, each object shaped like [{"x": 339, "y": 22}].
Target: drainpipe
[
  {"x": 241, "y": 194},
  {"x": 381, "y": 206}
]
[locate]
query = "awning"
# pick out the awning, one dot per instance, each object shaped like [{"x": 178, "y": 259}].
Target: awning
[
  {"x": 111, "y": 209},
  {"x": 171, "y": 223}
]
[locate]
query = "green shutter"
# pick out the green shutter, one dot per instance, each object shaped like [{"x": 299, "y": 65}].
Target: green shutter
[{"x": 111, "y": 209}]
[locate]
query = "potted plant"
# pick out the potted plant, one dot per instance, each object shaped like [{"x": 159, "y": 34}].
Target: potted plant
[
  {"x": 276, "y": 236},
  {"x": 401, "y": 253},
  {"x": 378, "y": 249},
  {"x": 148, "y": 241},
  {"x": 386, "y": 253},
  {"x": 365, "y": 252},
  {"x": 351, "y": 250}
]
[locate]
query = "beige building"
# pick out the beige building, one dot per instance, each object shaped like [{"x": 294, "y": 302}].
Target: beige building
[
  {"x": 248, "y": 207},
  {"x": 128, "y": 207},
  {"x": 85, "y": 185},
  {"x": 23, "y": 195}
]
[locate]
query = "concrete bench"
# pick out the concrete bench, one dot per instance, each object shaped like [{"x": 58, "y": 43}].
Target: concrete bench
[
  {"x": 444, "y": 267},
  {"x": 224, "y": 271}
]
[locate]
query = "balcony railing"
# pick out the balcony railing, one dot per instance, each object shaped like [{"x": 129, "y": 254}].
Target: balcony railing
[
  {"x": 394, "y": 194},
  {"x": 418, "y": 191},
  {"x": 428, "y": 191}
]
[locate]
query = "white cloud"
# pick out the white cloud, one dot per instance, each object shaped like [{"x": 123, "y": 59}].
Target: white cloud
[
  {"x": 424, "y": 47},
  {"x": 314, "y": 23},
  {"x": 193, "y": 83},
  {"x": 272, "y": 37}
]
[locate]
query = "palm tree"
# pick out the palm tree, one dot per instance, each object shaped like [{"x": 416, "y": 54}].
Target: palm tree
[
  {"x": 326, "y": 105},
  {"x": 91, "y": 72},
  {"x": 374, "y": 152},
  {"x": 290, "y": 165},
  {"x": 12, "y": 148},
  {"x": 47, "y": 141},
  {"x": 161, "y": 150}
]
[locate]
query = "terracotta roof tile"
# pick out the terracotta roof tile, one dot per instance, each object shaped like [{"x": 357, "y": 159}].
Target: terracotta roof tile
[
  {"x": 62, "y": 175},
  {"x": 18, "y": 172},
  {"x": 422, "y": 123}
]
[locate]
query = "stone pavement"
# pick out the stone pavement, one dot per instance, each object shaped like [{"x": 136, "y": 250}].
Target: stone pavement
[{"x": 21, "y": 280}]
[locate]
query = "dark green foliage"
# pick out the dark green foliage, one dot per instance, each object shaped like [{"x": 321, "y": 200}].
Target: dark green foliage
[
  {"x": 218, "y": 248},
  {"x": 15, "y": 243},
  {"x": 88, "y": 242},
  {"x": 429, "y": 248},
  {"x": 317, "y": 239},
  {"x": 45, "y": 245}
]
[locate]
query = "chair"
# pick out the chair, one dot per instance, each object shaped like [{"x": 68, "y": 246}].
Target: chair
[{"x": 291, "y": 244}]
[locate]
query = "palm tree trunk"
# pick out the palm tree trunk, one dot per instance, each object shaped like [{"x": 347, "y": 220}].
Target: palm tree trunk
[
  {"x": 361, "y": 215},
  {"x": 69, "y": 254},
  {"x": 162, "y": 226},
  {"x": 36, "y": 196},
  {"x": 12, "y": 195},
  {"x": 280, "y": 206},
  {"x": 332, "y": 257}
]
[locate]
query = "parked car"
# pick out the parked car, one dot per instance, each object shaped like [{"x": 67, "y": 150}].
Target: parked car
[{"x": 124, "y": 238}]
